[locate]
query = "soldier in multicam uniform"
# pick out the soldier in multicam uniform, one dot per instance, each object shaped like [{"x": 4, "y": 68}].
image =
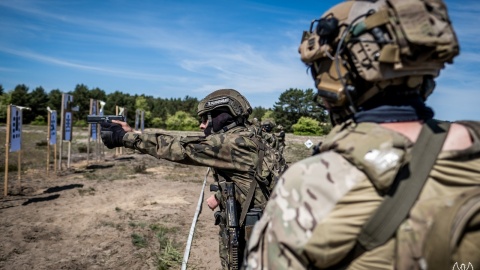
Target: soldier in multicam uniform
[
  {"x": 228, "y": 147},
  {"x": 374, "y": 64}
]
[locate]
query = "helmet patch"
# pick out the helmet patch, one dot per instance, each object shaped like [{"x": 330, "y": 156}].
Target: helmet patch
[{"x": 216, "y": 102}]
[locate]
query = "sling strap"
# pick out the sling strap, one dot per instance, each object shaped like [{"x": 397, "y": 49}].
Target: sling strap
[
  {"x": 409, "y": 183},
  {"x": 407, "y": 186},
  {"x": 253, "y": 184}
]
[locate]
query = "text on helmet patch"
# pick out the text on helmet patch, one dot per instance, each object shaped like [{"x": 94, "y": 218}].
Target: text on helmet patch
[{"x": 218, "y": 101}]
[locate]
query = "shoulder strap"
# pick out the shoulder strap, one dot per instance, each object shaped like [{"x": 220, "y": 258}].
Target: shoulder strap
[
  {"x": 253, "y": 184},
  {"x": 407, "y": 186}
]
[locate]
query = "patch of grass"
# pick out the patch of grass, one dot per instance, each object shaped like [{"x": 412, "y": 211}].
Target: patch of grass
[
  {"x": 41, "y": 143},
  {"x": 296, "y": 152},
  {"x": 140, "y": 168},
  {"x": 137, "y": 224},
  {"x": 112, "y": 224},
  {"x": 89, "y": 191},
  {"x": 169, "y": 255},
  {"x": 11, "y": 167},
  {"x": 139, "y": 240},
  {"x": 155, "y": 227},
  {"x": 107, "y": 223},
  {"x": 90, "y": 175},
  {"x": 82, "y": 148},
  {"x": 160, "y": 241},
  {"x": 117, "y": 172}
]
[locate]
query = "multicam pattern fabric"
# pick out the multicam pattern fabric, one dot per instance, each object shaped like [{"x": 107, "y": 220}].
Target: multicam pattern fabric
[
  {"x": 298, "y": 209},
  {"x": 321, "y": 203}
]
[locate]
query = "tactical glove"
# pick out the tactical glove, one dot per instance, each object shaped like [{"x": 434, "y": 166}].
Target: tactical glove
[
  {"x": 316, "y": 149},
  {"x": 112, "y": 135}
]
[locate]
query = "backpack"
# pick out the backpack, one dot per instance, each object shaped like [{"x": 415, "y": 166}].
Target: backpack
[
  {"x": 273, "y": 158},
  {"x": 268, "y": 170},
  {"x": 445, "y": 230}
]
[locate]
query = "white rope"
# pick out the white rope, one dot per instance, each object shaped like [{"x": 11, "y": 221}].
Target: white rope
[{"x": 192, "y": 228}]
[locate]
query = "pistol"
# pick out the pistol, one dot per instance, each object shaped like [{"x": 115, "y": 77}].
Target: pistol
[{"x": 95, "y": 119}]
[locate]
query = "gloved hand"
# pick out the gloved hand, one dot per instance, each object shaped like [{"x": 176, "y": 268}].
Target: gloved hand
[
  {"x": 112, "y": 134},
  {"x": 316, "y": 149}
]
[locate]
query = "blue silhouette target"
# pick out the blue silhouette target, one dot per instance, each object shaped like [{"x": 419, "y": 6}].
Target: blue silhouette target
[
  {"x": 68, "y": 126},
  {"x": 53, "y": 128},
  {"x": 15, "y": 129},
  {"x": 93, "y": 135}
]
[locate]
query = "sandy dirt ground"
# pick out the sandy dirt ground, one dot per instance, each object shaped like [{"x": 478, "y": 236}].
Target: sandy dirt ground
[{"x": 113, "y": 211}]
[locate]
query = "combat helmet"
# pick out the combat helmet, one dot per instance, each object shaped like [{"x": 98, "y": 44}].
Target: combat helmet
[
  {"x": 229, "y": 99},
  {"x": 359, "y": 49},
  {"x": 268, "y": 125}
]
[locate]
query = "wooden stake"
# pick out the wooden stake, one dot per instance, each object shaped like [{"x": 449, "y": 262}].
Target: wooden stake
[
  {"x": 19, "y": 168},
  {"x": 69, "y": 153},
  {"x": 7, "y": 150},
  {"x": 61, "y": 133},
  {"x": 48, "y": 142},
  {"x": 55, "y": 157}
]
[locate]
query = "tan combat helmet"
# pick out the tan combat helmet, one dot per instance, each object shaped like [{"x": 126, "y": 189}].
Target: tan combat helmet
[
  {"x": 225, "y": 99},
  {"x": 359, "y": 49}
]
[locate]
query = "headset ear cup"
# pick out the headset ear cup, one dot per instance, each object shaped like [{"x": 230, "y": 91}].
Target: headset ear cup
[{"x": 327, "y": 29}]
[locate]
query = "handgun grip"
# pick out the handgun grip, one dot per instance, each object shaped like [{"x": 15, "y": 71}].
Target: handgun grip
[{"x": 214, "y": 187}]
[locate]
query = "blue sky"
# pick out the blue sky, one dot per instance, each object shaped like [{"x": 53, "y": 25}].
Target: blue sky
[{"x": 185, "y": 47}]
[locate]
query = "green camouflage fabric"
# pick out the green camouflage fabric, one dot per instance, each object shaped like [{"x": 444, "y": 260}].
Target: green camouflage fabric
[
  {"x": 270, "y": 138},
  {"x": 320, "y": 204},
  {"x": 281, "y": 141},
  {"x": 233, "y": 155}
]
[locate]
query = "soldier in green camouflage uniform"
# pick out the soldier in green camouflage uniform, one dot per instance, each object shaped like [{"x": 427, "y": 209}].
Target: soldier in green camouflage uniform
[
  {"x": 267, "y": 134},
  {"x": 281, "y": 139},
  {"x": 228, "y": 147},
  {"x": 374, "y": 64}
]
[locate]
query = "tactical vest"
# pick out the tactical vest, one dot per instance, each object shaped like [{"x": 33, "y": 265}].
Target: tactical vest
[
  {"x": 264, "y": 174},
  {"x": 450, "y": 231}
]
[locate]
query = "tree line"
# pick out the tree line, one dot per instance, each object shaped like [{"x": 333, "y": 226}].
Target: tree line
[{"x": 292, "y": 106}]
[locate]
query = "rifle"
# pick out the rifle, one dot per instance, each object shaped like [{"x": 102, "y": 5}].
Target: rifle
[
  {"x": 95, "y": 119},
  {"x": 232, "y": 227}
]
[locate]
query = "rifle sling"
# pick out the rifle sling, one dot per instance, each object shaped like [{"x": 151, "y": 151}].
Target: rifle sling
[{"x": 408, "y": 184}]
